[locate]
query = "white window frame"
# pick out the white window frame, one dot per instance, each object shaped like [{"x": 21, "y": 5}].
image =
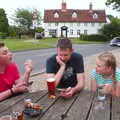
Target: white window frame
[
  {"x": 71, "y": 31},
  {"x": 85, "y": 24},
  {"x": 52, "y": 32},
  {"x": 85, "y": 31},
  {"x": 78, "y": 32},
  {"x": 56, "y": 15},
  {"x": 74, "y": 15}
]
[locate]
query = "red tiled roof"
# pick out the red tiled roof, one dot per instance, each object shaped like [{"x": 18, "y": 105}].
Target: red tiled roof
[{"x": 66, "y": 16}]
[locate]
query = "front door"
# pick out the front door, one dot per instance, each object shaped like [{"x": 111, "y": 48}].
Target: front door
[{"x": 64, "y": 31}]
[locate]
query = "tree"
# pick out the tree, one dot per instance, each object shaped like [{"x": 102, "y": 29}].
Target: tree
[
  {"x": 111, "y": 30},
  {"x": 110, "y": 17},
  {"x": 39, "y": 29},
  {"x": 115, "y": 4},
  {"x": 24, "y": 20},
  {"x": 16, "y": 31},
  {"x": 3, "y": 21},
  {"x": 23, "y": 17}
]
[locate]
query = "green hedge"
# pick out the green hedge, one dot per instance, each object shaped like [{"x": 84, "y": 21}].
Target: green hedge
[
  {"x": 3, "y": 35},
  {"x": 93, "y": 37}
]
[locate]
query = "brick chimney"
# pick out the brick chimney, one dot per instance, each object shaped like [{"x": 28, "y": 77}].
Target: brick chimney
[
  {"x": 64, "y": 6},
  {"x": 90, "y": 6}
]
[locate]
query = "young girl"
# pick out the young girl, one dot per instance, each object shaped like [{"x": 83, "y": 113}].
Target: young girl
[{"x": 106, "y": 74}]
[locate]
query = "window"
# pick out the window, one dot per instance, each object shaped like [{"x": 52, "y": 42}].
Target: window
[
  {"x": 71, "y": 24},
  {"x": 74, "y": 15},
  {"x": 95, "y": 16},
  {"x": 78, "y": 32},
  {"x": 118, "y": 39},
  {"x": 85, "y": 32},
  {"x": 52, "y": 32},
  {"x": 49, "y": 24},
  {"x": 56, "y": 15},
  {"x": 92, "y": 24},
  {"x": 56, "y": 24},
  {"x": 71, "y": 31},
  {"x": 78, "y": 24},
  {"x": 100, "y": 24},
  {"x": 85, "y": 24}
]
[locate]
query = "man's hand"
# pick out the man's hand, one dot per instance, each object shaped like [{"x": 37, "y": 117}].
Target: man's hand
[
  {"x": 59, "y": 61},
  {"x": 28, "y": 66},
  {"x": 67, "y": 93}
]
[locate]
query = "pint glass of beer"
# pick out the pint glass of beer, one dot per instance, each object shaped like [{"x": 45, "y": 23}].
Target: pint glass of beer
[{"x": 51, "y": 87}]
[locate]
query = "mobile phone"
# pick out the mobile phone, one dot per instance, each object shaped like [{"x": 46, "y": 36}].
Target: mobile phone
[{"x": 60, "y": 89}]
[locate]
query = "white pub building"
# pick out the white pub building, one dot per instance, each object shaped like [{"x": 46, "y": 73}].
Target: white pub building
[{"x": 72, "y": 22}]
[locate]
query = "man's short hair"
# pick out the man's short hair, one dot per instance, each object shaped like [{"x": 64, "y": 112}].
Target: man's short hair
[
  {"x": 2, "y": 44},
  {"x": 64, "y": 43}
]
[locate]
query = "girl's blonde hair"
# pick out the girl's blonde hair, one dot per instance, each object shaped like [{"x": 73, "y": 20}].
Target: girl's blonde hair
[{"x": 110, "y": 61}]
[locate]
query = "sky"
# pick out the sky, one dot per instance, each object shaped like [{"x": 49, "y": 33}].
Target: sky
[{"x": 11, "y": 5}]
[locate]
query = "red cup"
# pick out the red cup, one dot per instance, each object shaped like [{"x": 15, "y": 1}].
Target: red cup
[{"x": 51, "y": 87}]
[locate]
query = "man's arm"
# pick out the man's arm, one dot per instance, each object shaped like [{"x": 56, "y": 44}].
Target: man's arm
[
  {"x": 58, "y": 75},
  {"x": 69, "y": 92},
  {"x": 80, "y": 83},
  {"x": 60, "y": 72}
]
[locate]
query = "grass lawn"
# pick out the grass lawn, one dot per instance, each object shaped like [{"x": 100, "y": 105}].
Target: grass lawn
[{"x": 17, "y": 44}]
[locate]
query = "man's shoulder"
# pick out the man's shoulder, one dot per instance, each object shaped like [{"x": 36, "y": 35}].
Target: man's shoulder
[
  {"x": 52, "y": 58},
  {"x": 77, "y": 56}
]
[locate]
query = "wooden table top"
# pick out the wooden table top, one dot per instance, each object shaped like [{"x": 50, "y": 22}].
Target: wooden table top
[{"x": 82, "y": 106}]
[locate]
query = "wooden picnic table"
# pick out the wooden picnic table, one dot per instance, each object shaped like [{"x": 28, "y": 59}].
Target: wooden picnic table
[{"x": 82, "y": 106}]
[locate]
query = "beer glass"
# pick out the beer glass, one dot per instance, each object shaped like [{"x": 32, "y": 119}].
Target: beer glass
[{"x": 51, "y": 87}]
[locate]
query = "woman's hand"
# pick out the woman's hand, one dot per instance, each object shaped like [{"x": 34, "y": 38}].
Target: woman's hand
[
  {"x": 19, "y": 88},
  {"x": 28, "y": 66}
]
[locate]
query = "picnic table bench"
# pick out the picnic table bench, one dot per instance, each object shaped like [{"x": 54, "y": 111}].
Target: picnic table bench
[{"x": 82, "y": 106}]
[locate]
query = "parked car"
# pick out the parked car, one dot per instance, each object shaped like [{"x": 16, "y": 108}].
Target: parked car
[{"x": 115, "y": 41}]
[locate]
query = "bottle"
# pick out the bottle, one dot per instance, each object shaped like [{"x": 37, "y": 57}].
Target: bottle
[
  {"x": 27, "y": 102},
  {"x": 100, "y": 93}
]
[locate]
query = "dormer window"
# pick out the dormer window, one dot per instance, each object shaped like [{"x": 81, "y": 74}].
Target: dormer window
[
  {"x": 74, "y": 15},
  {"x": 56, "y": 15},
  {"x": 95, "y": 16}
]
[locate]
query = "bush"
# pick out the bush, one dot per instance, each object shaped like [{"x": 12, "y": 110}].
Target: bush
[
  {"x": 93, "y": 37},
  {"x": 53, "y": 36},
  {"x": 3, "y": 35}
]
